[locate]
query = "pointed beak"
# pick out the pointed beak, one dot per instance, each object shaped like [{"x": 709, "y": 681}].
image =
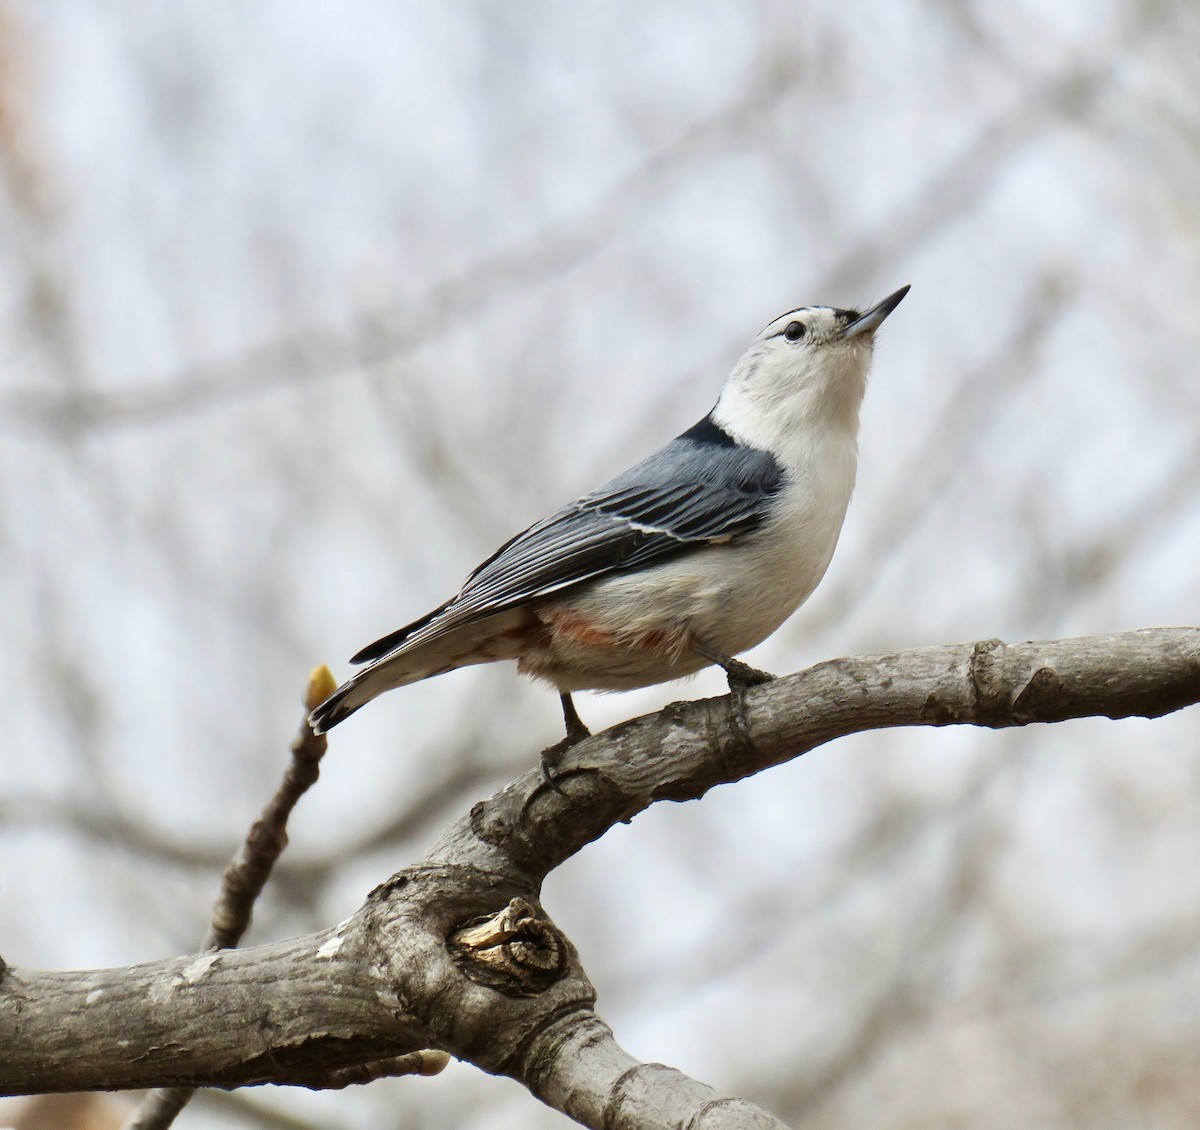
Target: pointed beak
[{"x": 873, "y": 318}]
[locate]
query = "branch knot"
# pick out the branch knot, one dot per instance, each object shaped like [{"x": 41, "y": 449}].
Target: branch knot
[{"x": 517, "y": 951}]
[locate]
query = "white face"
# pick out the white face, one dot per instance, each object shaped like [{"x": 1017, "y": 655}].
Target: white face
[
  {"x": 802, "y": 365},
  {"x": 811, "y": 349},
  {"x": 807, "y": 368}
]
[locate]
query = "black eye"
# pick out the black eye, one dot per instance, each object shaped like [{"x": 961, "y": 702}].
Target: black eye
[{"x": 794, "y": 331}]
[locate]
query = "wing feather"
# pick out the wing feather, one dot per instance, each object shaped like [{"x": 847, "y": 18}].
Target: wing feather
[{"x": 700, "y": 488}]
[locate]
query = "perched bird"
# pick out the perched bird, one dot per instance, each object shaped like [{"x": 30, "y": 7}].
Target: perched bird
[{"x": 692, "y": 556}]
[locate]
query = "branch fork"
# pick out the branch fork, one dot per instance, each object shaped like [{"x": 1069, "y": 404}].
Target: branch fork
[{"x": 456, "y": 953}]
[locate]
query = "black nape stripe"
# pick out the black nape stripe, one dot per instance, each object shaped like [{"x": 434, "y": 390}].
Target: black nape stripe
[{"x": 709, "y": 432}]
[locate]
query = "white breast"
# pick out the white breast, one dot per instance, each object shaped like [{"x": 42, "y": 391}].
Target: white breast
[{"x": 731, "y": 596}]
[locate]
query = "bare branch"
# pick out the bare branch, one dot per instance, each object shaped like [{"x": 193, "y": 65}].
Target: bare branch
[
  {"x": 687, "y": 748},
  {"x": 456, "y": 952}
]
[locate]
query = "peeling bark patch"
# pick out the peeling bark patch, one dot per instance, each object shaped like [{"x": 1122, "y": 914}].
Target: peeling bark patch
[
  {"x": 1042, "y": 699},
  {"x": 330, "y": 948},
  {"x": 194, "y": 973}
]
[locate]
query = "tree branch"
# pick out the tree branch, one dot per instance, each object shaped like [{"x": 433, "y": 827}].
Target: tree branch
[{"x": 455, "y": 952}]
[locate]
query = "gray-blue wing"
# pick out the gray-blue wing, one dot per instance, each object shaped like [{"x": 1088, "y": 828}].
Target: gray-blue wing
[{"x": 700, "y": 488}]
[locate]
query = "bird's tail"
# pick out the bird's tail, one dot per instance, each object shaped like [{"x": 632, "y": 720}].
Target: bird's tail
[
  {"x": 419, "y": 656},
  {"x": 353, "y": 693}
]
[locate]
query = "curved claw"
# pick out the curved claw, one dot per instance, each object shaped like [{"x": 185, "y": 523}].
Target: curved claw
[
  {"x": 550, "y": 757},
  {"x": 576, "y": 732}
]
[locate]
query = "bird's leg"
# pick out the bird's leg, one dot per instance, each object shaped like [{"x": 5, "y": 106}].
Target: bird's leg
[
  {"x": 576, "y": 732},
  {"x": 741, "y": 676}
]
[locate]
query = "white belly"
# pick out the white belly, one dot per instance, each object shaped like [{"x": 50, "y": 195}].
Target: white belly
[{"x": 731, "y": 597}]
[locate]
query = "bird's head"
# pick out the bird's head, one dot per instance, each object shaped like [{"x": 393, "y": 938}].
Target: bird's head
[{"x": 808, "y": 366}]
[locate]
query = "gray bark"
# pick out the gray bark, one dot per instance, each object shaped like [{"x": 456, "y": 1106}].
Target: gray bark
[{"x": 455, "y": 952}]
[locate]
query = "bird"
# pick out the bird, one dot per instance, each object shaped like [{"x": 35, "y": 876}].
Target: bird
[{"x": 689, "y": 558}]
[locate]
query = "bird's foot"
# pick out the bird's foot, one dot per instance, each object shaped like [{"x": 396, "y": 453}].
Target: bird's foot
[
  {"x": 549, "y": 759},
  {"x": 742, "y": 675},
  {"x": 738, "y": 673},
  {"x": 552, "y": 755}
]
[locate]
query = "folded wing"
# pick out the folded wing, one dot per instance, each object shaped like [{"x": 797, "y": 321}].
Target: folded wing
[{"x": 699, "y": 489}]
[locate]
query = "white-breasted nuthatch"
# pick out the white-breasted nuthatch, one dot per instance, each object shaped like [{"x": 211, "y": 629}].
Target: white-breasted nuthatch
[{"x": 688, "y": 558}]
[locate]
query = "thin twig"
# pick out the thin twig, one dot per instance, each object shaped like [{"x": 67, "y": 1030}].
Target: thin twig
[
  {"x": 247, "y": 874},
  {"x": 426, "y": 1062}
]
